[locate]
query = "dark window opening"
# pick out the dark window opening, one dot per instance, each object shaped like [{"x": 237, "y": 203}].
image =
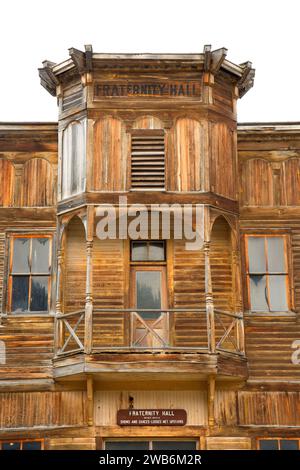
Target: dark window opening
[
  {"x": 21, "y": 445},
  {"x": 278, "y": 444}
]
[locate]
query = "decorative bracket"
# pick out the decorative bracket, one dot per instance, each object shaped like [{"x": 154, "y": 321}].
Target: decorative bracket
[{"x": 48, "y": 80}]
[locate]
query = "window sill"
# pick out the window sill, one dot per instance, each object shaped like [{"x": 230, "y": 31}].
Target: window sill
[{"x": 270, "y": 314}]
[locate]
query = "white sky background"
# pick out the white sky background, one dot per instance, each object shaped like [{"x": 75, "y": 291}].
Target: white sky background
[{"x": 266, "y": 32}]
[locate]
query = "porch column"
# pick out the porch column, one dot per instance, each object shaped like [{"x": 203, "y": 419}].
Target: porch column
[
  {"x": 59, "y": 328},
  {"x": 238, "y": 299},
  {"x": 88, "y": 337},
  {"x": 209, "y": 300},
  {"x": 211, "y": 391}
]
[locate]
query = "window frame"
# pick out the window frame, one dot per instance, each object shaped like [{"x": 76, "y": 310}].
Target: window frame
[
  {"x": 151, "y": 261},
  {"x": 7, "y": 441},
  {"x": 279, "y": 439},
  {"x": 149, "y": 440},
  {"x": 288, "y": 273},
  {"x": 9, "y": 275}
]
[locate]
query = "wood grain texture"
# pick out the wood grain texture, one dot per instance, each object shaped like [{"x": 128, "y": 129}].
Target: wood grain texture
[
  {"x": 7, "y": 180},
  {"x": 75, "y": 267},
  {"x": 269, "y": 408},
  {"x": 222, "y": 166},
  {"x": 32, "y": 409},
  {"x": 38, "y": 184},
  {"x": 108, "y": 402},
  {"x": 228, "y": 443},
  {"x": 188, "y": 145},
  {"x": 110, "y": 155}
]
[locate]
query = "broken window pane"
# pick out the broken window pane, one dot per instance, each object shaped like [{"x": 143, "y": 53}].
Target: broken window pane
[
  {"x": 277, "y": 288},
  {"x": 40, "y": 255},
  {"x": 39, "y": 294},
  {"x": 258, "y": 293},
  {"x": 21, "y": 255},
  {"x": 20, "y": 286},
  {"x": 257, "y": 258}
]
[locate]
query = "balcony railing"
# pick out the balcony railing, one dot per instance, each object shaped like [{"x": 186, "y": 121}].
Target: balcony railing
[{"x": 149, "y": 330}]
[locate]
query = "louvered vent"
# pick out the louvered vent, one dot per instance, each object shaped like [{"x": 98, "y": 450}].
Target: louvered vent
[{"x": 148, "y": 161}]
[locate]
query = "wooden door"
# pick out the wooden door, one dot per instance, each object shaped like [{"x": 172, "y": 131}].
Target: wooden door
[{"x": 148, "y": 291}]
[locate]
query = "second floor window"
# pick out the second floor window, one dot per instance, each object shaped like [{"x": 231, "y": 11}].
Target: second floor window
[
  {"x": 267, "y": 273},
  {"x": 148, "y": 160},
  {"x": 29, "y": 273}
]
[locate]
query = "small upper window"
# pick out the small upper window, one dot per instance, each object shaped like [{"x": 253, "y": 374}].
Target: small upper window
[
  {"x": 21, "y": 445},
  {"x": 148, "y": 160},
  {"x": 267, "y": 273},
  {"x": 278, "y": 444},
  {"x": 148, "y": 251},
  {"x": 29, "y": 277}
]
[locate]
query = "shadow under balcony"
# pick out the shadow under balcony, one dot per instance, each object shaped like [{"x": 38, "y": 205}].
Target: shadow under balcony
[{"x": 130, "y": 344}]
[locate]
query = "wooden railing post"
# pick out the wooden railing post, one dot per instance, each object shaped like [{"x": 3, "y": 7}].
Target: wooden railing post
[{"x": 209, "y": 301}]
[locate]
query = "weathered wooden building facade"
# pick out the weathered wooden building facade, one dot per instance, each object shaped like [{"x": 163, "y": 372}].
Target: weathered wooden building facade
[{"x": 92, "y": 326}]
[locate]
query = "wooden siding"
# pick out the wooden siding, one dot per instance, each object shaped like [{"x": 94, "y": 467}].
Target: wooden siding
[
  {"x": 223, "y": 161},
  {"x": 290, "y": 182},
  {"x": 228, "y": 443},
  {"x": 38, "y": 184},
  {"x": 268, "y": 347},
  {"x": 75, "y": 267},
  {"x": 109, "y": 292},
  {"x": 2, "y": 266},
  {"x": 29, "y": 347},
  {"x": 269, "y": 408},
  {"x": 147, "y": 122},
  {"x": 188, "y": 141},
  {"x": 221, "y": 265},
  {"x": 108, "y": 402},
  {"x": 223, "y": 93},
  {"x": 110, "y": 155},
  {"x": 42, "y": 409},
  {"x": 71, "y": 443},
  {"x": 7, "y": 179},
  {"x": 189, "y": 329},
  {"x": 257, "y": 183}
]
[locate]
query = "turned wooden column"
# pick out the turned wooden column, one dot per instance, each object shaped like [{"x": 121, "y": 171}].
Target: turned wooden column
[
  {"x": 88, "y": 337},
  {"x": 59, "y": 328},
  {"x": 238, "y": 299},
  {"x": 209, "y": 300},
  {"x": 211, "y": 391},
  {"x": 90, "y": 400}
]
